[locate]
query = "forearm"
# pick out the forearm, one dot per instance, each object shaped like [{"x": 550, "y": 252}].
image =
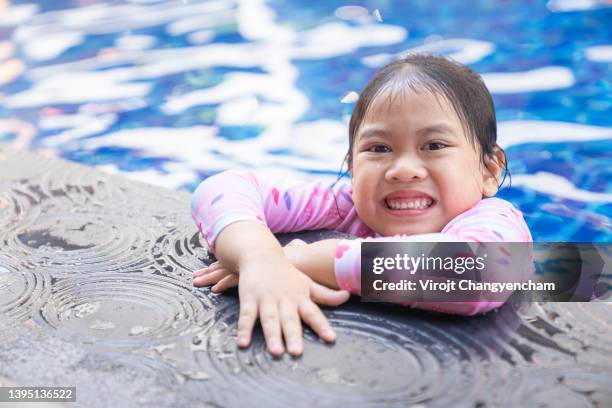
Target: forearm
[
  {"x": 316, "y": 260},
  {"x": 246, "y": 240},
  {"x": 242, "y": 241}
]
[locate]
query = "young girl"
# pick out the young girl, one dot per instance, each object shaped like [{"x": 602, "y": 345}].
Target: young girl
[{"x": 423, "y": 162}]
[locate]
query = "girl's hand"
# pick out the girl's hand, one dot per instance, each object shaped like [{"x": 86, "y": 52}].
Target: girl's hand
[
  {"x": 215, "y": 274},
  {"x": 221, "y": 278},
  {"x": 281, "y": 296}
]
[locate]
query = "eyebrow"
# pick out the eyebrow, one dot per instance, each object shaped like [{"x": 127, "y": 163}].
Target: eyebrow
[
  {"x": 381, "y": 132},
  {"x": 373, "y": 132},
  {"x": 439, "y": 128}
]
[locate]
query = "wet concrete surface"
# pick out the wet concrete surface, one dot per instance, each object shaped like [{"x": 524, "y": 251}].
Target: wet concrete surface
[{"x": 95, "y": 292}]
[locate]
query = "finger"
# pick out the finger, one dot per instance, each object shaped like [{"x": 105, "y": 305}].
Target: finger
[
  {"x": 270, "y": 323},
  {"x": 296, "y": 242},
  {"x": 326, "y": 296},
  {"x": 229, "y": 281},
  {"x": 211, "y": 278},
  {"x": 213, "y": 266},
  {"x": 317, "y": 321},
  {"x": 292, "y": 328},
  {"x": 200, "y": 272},
  {"x": 246, "y": 321}
]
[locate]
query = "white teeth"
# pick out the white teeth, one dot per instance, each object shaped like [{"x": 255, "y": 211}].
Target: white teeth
[{"x": 410, "y": 204}]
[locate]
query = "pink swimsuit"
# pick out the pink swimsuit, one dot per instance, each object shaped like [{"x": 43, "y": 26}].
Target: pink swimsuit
[{"x": 291, "y": 205}]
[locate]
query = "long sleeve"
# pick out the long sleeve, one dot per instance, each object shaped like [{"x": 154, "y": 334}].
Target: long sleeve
[
  {"x": 490, "y": 220},
  {"x": 282, "y": 205}
]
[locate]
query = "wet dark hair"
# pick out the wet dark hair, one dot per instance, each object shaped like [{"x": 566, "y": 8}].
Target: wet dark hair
[{"x": 459, "y": 84}]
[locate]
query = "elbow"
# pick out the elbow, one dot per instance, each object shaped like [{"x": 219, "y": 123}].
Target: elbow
[
  {"x": 209, "y": 186},
  {"x": 201, "y": 195},
  {"x": 198, "y": 194}
]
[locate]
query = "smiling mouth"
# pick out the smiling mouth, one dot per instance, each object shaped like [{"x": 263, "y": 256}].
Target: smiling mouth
[{"x": 414, "y": 204}]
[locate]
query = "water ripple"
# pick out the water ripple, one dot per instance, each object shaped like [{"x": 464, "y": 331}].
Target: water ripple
[
  {"x": 22, "y": 290},
  {"x": 178, "y": 253},
  {"x": 66, "y": 243},
  {"x": 125, "y": 310},
  {"x": 17, "y": 207},
  {"x": 588, "y": 324},
  {"x": 376, "y": 360}
]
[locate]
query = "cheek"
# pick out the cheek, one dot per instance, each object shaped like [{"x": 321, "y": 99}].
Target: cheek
[
  {"x": 361, "y": 192},
  {"x": 357, "y": 191},
  {"x": 465, "y": 170}
]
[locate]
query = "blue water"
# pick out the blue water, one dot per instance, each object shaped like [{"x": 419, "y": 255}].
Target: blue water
[{"x": 172, "y": 92}]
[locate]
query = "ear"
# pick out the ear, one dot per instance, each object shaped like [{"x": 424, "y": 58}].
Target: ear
[{"x": 491, "y": 172}]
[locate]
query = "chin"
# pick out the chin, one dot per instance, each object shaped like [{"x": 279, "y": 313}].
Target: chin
[
  {"x": 403, "y": 232},
  {"x": 413, "y": 231}
]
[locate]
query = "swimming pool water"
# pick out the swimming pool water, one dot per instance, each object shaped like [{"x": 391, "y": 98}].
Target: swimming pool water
[{"x": 172, "y": 92}]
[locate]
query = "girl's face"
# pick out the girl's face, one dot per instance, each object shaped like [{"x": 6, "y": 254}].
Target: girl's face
[{"x": 414, "y": 169}]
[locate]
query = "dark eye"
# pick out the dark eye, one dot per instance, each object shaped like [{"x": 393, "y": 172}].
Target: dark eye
[
  {"x": 379, "y": 148},
  {"x": 435, "y": 146}
]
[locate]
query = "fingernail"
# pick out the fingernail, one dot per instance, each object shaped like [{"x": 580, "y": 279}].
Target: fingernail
[
  {"x": 276, "y": 345},
  {"x": 294, "y": 347},
  {"x": 330, "y": 334},
  {"x": 199, "y": 273}
]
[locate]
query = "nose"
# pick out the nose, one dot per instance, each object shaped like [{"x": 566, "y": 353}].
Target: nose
[{"x": 406, "y": 169}]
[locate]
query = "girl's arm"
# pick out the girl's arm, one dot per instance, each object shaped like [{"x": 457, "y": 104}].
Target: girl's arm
[
  {"x": 316, "y": 260},
  {"x": 273, "y": 289},
  {"x": 281, "y": 205},
  {"x": 237, "y": 211}
]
